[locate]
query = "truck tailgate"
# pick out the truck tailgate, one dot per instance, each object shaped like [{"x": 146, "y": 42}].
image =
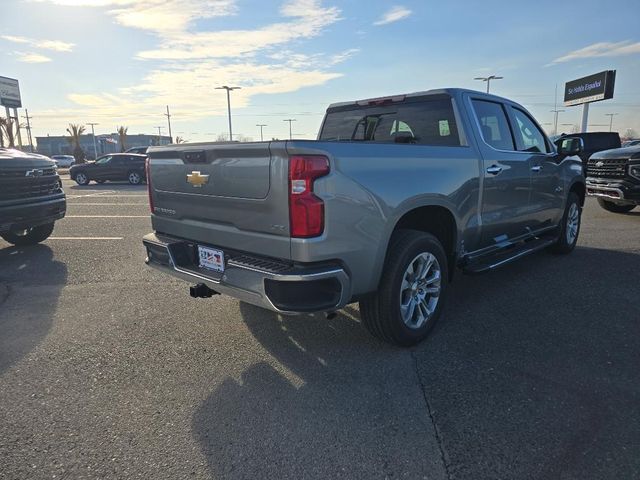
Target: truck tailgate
[{"x": 226, "y": 195}]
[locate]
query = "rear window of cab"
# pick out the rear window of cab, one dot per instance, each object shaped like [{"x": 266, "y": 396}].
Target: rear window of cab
[{"x": 427, "y": 121}]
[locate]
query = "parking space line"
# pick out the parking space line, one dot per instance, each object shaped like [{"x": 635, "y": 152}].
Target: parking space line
[
  {"x": 111, "y": 196},
  {"x": 85, "y": 238},
  {"x": 108, "y": 204},
  {"x": 107, "y": 216}
]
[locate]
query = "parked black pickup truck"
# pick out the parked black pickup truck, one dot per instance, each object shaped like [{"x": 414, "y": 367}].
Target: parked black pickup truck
[
  {"x": 613, "y": 177},
  {"x": 31, "y": 197}
]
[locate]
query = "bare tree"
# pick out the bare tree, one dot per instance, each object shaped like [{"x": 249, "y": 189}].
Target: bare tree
[
  {"x": 181, "y": 140},
  {"x": 122, "y": 138},
  {"x": 7, "y": 131}
]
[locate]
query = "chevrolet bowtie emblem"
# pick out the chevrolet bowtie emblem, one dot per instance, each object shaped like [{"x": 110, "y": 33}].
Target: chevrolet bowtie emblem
[{"x": 196, "y": 179}]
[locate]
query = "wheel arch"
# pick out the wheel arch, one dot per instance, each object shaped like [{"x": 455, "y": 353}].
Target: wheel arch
[
  {"x": 580, "y": 189},
  {"x": 435, "y": 218}
]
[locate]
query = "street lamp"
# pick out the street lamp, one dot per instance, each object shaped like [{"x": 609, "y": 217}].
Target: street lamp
[
  {"x": 93, "y": 134},
  {"x": 261, "y": 125},
  {"x": 610, "y": 115},
  {"x": 290, "y": 120},
  {"x": 228, "y": 89},
  {"x": 488, "y": 79},
  {"x": 555, "y": 121}
]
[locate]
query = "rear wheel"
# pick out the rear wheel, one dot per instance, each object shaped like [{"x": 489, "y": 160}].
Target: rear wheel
[
  {"x": 615, "y": 207},
  {"x": 81, "y": 178},
  {"x": 134, "y": 178},
  {"x": 411, "y": 294},
  {"x": 29, "y": 236}
]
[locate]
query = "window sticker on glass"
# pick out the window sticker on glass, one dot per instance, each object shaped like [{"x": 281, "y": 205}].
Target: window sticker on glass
[{"x": 444, "y": 128}]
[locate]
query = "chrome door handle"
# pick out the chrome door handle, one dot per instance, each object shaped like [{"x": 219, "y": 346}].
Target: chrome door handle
[
  {"x": 537, "y": 168},
  {"x": 494, "y": 169}
]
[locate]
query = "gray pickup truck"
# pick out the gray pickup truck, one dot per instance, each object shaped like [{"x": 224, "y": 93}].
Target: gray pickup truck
[{"x": 394, "y": 195}]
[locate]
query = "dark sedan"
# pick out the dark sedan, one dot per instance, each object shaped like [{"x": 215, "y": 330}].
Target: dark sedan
[{"x": 114, "y": 166}]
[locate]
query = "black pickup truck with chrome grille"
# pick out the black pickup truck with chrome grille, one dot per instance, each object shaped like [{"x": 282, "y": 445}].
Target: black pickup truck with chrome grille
[
  {"x": 613, "y": 177},
  {"x": 31, "y": 197}
]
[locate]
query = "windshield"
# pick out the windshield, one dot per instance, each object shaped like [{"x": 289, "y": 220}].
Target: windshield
[{"x": 424, "y": 122}]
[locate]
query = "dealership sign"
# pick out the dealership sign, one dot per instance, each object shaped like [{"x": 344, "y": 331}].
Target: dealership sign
[
  {"x": 10, "y": 93},
  {"x": 593, "y": 88}
]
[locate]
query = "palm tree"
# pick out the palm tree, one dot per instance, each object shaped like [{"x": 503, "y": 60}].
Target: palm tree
[
  {"x": 122, "y": 138},
  {"x": 75, "y": 132}
]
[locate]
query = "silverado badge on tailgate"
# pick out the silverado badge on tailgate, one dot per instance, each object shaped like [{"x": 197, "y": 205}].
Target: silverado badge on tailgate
[{"x": 196, "y": 179}]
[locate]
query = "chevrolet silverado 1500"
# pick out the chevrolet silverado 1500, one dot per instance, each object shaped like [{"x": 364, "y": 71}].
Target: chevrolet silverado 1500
[
  {"x": 393, "y": 196},
  {"x": 31, "y": 197}
]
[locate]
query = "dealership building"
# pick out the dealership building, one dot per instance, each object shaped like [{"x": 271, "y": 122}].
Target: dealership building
[{"x": 109, "y": 143}]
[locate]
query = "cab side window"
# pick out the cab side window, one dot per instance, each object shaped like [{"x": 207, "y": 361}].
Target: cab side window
[
  {"x": 494, "y": 125},
  {"x": 528, "y": 135}
]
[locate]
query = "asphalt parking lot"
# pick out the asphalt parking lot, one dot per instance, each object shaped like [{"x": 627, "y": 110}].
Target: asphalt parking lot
[{"x": 110, "y": 370}]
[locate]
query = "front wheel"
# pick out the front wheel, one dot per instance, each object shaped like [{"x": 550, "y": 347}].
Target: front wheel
[
  {"x": 412, "y": 289},
  {"x": 29, "y": 236},
  {"x": 134, "y": 178},
  {"x": 570, "y": 226},
  {"x": 81, "y": 178},
  {"x": 615, "y": 207}
]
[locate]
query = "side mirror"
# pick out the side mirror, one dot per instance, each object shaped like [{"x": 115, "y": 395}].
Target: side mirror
[{"x": 570, "y": 146}]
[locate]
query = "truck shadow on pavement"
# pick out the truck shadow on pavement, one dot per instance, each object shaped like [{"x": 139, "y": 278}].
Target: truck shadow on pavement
[
  {"x": 532, "y": 373},
  {"x": 327, "y": 401},
  {"x": 30, "y": 285}
]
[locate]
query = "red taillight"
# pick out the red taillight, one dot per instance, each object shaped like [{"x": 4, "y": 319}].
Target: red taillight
[
  {"x": 148, "y": 175},
  {"x": 306, "y": 211}
]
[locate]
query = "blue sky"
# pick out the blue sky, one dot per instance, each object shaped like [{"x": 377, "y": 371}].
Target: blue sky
[{"x": 119, "y": 62}]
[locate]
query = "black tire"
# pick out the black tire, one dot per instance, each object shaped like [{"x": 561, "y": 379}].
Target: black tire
[
  {"x": 30, "y": 236},
  {"x": 614, "y": 207},
  {"x": 81, "y": 178},
  {"x": 569, "y": 231},
  {"x": 381, "y": 312},
  {"x": 135, "y": 178}
]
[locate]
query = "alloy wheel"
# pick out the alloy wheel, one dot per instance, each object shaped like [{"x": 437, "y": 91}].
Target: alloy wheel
[{"x": 420, "y": 290}]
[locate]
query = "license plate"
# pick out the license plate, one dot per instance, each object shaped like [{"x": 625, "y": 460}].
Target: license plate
[{"x": 211, "y": 259}]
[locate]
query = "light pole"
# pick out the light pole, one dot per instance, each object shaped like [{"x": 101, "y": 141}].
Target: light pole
[
  {"x": 93, "y": 134},
  {"x": 488, "y": 80},
  {"x": 610, "y": 115},
  {"x": 555, "y": 121},
  {"x": 228, "y": 89},
  {"x": 261, "y": 125},
  {"x": 159, "y": 134},
  {"x": 290, "y": 120},
  {"x": 168, "y": 115}
]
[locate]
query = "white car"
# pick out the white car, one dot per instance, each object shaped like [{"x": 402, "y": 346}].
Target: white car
[{"x": 63, "y": 161}]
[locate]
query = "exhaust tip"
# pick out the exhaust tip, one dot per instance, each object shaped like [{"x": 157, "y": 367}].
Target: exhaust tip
[{"x": 202, "y": 291}]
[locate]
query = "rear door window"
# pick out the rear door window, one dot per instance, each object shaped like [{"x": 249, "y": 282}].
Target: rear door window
[
  {"x": 528, "y": 136},
  {"x": 422, "y": 122},
  {"x": 494, "y": 125}
]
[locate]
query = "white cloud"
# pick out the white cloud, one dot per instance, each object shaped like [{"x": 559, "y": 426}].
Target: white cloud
[
  {"x": 189, "y": 62},
  {"x": 307, "y": 19},
  {"x": 394, "y": 14},
  {"x": 55, "y": 45},
  {"x": 30, "y": 57},
  {"x": 601, "y": 49}
]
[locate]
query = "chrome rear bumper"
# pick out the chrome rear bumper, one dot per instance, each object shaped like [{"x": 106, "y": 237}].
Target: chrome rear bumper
[{"x": 278, "y": 286}]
